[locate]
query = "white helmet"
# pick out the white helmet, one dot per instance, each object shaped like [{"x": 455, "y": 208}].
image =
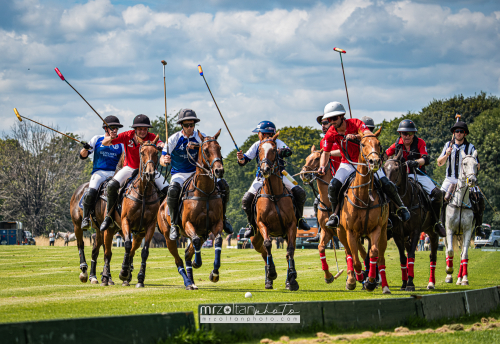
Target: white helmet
[{"x": 333, "y": 109}]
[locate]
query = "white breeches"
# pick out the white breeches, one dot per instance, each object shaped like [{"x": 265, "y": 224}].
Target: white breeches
[
  {"x": 98, "y": 177},
  {"x": 126, "y": 172},
  {"x": 425, "y": 181},
  {"x": 257, "y": 184},
  {"x": 345, "y": 170},
  {"x": 448, "y": 181},
  {"x": 180, "y": 177}
]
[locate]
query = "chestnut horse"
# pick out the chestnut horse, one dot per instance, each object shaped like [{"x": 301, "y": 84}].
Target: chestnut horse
[
  {"x": 275, "y": 215},
  {"x": 364, "y": 214},
  {"x": 202, "y": 213},
  {"x": 139, "y": 212},
  {"x": 324, "y": 208},
  {"x": 406, "y": 235}
]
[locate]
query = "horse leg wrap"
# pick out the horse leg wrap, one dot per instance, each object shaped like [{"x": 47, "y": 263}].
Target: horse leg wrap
[
  {"x": 142, "y": 273},
  {"x": 404, "y": 272},
  {"x": 382, "y": 276},
  {"x": 182, "y": 272},
  {"x": 93, "y": 268},
  {"x": 465, "y": 262},
  {"x": 449, "y": 261},
  {"x": 359, "y": 276},
  {"x": 292, "y": 273},
  {"x": 410, "y": 264},
  {"x": 81, "y": 252},
  {"x": 460, "y": 271},
  {"x": 269, "y": 259},
  {"x": 189, "y": 270},
  {"x": 350, "y": 266},
  {"x": 432, "y": 277},
  {"x": 373, "y": 267},
  {"x": 324, "y": 264},
  {"x": 144, "y": 255},
  {"x": 218, "y": 251},
  {"x": 197, "y": 251}
]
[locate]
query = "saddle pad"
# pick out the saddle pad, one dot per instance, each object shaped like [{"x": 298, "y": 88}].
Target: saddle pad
[{"x": 100, "y": 192}]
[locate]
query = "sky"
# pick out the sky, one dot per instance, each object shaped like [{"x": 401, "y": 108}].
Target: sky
[{"x": 263, "y": 60}]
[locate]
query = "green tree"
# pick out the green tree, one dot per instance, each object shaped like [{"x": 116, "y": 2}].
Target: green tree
[{"x": 159, "y": 125}]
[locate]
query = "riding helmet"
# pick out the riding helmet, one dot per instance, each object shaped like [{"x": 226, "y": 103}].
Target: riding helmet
[
  {"x": 460, "y": 125},
  {"x": 407, "y": 125},
  {"x": 112, "y": 121},
  {"x": 333, "y": 109},
  {"x": 141, "y": 121},
  {"x": 319, "y": 118},
  {"x": 369, "y": 122},
  {"x": 187, "y": 115},
  {"x": 265, "y": 127}
]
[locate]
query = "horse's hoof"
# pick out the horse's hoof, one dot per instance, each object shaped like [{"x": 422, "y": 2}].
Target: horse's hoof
[
  {"x": 189, "y": 287},
  {"x": 459, "y": 281},
  {"x": 431, "y": 286},
  {"x": 271, "y": 272},
  {"x": 196, "y": 266},
  {"x": 410, "y": 288},
  {"x": 350, "y": 286},
  {"x": 465, "y": 282},
  {"x": 125, "y": 284},
  {"x": 385, "y": 290},
  {"x": 94, "y": 280},
  {"x": 294, "y": 286},
  {"x": 370, "y": 286},
  {"x": 110, "y": 282},
  {"x": 214, "y": 277},
  {"x": 84, "y": 277},
  {"x": 123, "y": 275},
  {"x": 449, "y": 279},
  {"x": 269, "y": 285},
  {"x": 194, "y": 287},
  {"x": 330, "y": 280},
  {"x": 139, "y": 285},
  {"x": 104, "y": 284}
]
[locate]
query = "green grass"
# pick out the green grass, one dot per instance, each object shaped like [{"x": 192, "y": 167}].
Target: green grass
[
  {"x": 42, "y": 282},
  {"x": 490, "y": 336}
]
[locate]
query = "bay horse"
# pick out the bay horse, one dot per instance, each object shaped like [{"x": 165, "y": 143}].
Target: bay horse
[
  {"x": 202, "y": 213},
  {"x": 460, "y": 219},
  {"x": 324, "y": 208},
  {"x": 275, "y": 215},
  {"x": 139, "y": 212},
  {"x": 406, "y": 235},
  {"x": 365, "y": 214}
]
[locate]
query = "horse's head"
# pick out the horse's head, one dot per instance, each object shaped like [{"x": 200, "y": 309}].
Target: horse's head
[
  {"x": 268, "y": 156},
  {"x": 394, "y": 169},
  {"x": 210, "y": 153},
  {"x": 469, "y": 169},
  {"x": 148, "y": 153},
  {"x": 312, "y": 164},
  {"x": 370, "y": 150}
]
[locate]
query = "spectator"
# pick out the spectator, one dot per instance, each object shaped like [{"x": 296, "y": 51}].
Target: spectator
[
  {"x": 52, "y": 238},
  {"x": 118, "y": 240},
  {"x": 427, "y": 243},
  {"x": 228, "y": 238},
  {"x": 421, "y": 242}
]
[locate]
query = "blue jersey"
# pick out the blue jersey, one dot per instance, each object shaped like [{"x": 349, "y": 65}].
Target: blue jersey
[
  {"x": 177, "y": 150},
  {"x": 105, "y": 157},
  {"x": 252, "y": 153}
]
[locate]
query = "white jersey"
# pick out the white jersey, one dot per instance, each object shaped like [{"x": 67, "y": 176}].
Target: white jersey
[
  {"x": 454, "y": 161},
  {"x": 252, "y": 153}
]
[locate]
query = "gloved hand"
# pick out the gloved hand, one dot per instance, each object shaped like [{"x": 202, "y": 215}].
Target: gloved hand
[
  {"x": 412, "y": 164},
  {"x": 86, "y": 146},
  {"x": 285, "y": 152}
]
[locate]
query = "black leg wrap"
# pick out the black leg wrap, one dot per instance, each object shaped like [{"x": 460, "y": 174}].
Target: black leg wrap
[
  {"x": 128, "y": 246},
  {"x": 218, "y": 241}
]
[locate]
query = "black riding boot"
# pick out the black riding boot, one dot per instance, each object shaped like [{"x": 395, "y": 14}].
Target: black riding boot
[
  {"x": 333, "y": 196},
  {"x": 174, "y": 192},
  {"x": 443, "y": 212},
  {"x": 112, "y": 191},
  {"x": 478, "y": 210},
  {"x": 224, "y": 187},
  {"x": 300, "y": 197},
  {"x": 392, "y": 192},
  {"x": 436, "y": 205},
  {"x": 164, "y": 193},
  {"x": 246, "y": 205},
  {"x": 315, "y": 207},
  {"x": 88, "y": 203}
]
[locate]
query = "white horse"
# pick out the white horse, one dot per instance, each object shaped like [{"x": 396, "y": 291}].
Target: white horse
[
  {"x": 460, "y": 218},
  {"x": 67, "y": 236}
]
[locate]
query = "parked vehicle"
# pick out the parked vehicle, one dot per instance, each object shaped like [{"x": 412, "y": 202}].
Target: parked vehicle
[
  {"x": 29, "y": 240},
  {"x": 489, "y": 238},
  {"x": 11, "y": 233},
  {"x": 242, "y": 242}
]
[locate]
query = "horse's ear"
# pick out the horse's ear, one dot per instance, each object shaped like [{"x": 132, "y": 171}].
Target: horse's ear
[
  {"x": 217, "y": 135},
  {"x": 313, "y": 148},
  {"x": 276, "y": 136},
  {"x": 474, "y": 155},
  {"x": 377, "y": 133},
  {"x": 139, "y": 140},
  {"x": 156, "y": 139},
  {"x": 200, "y": 136},
  {"x": 399, "y": 155}
]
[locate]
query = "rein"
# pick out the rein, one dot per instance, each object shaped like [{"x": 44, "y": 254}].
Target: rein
[{"x": 316, "y": 192}]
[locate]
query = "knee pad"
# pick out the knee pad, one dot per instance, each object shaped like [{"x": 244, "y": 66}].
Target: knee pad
[
  {"x": 299, "y": 194},
  {"x": 113, "y": 185},
  {"x": 174, "y": 190}
]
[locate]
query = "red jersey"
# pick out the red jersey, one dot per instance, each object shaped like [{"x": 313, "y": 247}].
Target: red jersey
[
  {"x": 334, "y": 160},
  {"x": 353, "y": 126},
  {"x": 421, "y": 148},
  {"x": 131, "y": 149}
]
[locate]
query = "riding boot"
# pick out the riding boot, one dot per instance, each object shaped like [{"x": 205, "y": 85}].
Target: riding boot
[
  {"x": 88, "y": 203},
  {"x": 333, "y": 196},
  {"x": 246, "y": 205},
  {"x": 315, "y": 207},
  {"x": 436, "y": 204},
  {"x": 478, "y": 210},
  {"x": 300, "y": 196},
  {"x": 174, "y": 192},
  {"x": 164, "y": 193},
  {"x": 224, "y": 188},
  {"x": 392, "y": 192},
  {"x": 443, "y": 212},
  {"x": 112, "y": 191}
]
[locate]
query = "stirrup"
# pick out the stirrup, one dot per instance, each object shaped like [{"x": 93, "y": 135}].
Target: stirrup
[
  {"x": 333, "y": 221},
  {"x": 85, "y": 223},
  {"x": 405, "y": 215},
  {"x": 249, "y": 232},
  {"x": 440, "y": 229},
  {"x": 302, "y": 224},
  {"x": 314, "y": 239}
]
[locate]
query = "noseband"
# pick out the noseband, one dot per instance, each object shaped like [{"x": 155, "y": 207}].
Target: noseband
[
  {"x": 273, "y": 164},
  {"x": 144, "y": 165}
]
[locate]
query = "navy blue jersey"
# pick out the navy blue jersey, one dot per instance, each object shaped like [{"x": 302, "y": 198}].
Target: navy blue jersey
[
  {"x": 105, "y": 157},
  {"x": 177, "y": 150}
]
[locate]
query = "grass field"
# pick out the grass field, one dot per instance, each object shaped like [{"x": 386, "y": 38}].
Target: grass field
[{"x": 42, "y": 282}]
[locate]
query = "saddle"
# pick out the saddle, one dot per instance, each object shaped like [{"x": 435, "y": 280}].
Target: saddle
[{"x": 345, "y": 188}]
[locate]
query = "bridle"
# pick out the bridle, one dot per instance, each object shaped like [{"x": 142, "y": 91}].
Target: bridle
[
  {"x": 273, "y": 164},
  {"x": 343, "y": 147},
  {"x": 205, "y": 162},
  {"x": 143, "y": 165}
]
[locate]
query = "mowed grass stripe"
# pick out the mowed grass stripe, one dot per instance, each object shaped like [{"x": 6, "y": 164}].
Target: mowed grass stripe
[{"x": 42, "y": 282}]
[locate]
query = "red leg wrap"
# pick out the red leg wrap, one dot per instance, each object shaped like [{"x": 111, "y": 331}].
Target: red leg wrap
[
  {"x": 381, "y": 270},
  {"x": 350, "y": 266},
  {"x": 324, "y": 264},
  {"x": 411, "y": 262},
  {"x": 449, "y": 262},
  {"x": 404, "y": 272},
  {"x": 465, "y": 262},
  {"x": 432, "y": 277},
  {"x": 359, "y": 276},
  {"x": 373, "y": 268},
  {"x": 460, "y": 272}
]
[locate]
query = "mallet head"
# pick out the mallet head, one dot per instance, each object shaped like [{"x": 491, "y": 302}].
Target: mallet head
[
  {"x": 18, "y": 115},
  {"x": 342, "y": 51},
  {"x": 339, "y": 273},
  {"x": 164, "y": 62},
  {"x": 59, "y": 73},
  {"x": 200, "y": 70}
]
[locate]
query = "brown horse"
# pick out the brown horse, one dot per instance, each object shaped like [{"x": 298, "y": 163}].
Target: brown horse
[
  {"x": 139, "y": 212},
  {"x": 202, "y": 212},
  {"x": 275, "y": 215},
  {"x": 365, "y": 214},
  {"x": 324, "y": 209},
  {"x": 406, "y": 235}
]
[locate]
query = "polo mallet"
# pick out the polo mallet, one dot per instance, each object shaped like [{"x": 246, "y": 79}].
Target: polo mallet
[
  {"x": 342, "y": 51},
  {"x": 20, "y": 118},
  {"x": 336, "y": 261},
  {"x": 164, "y": 63},
  {"x": 63, "y": 79},
  {"x": 201, "y": 73}
]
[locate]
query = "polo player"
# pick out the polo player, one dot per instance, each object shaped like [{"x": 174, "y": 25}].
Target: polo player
[
  {"x": 416, "y": 157},
  {"x": 184, "y": 167},
  {"x": 106, "y": 159},
  {"x": 453, "y": 159},
  {"x": 266, "y": 130},
  {"x": 132, "y": 161},
  {"x": 349, "y": 129}
]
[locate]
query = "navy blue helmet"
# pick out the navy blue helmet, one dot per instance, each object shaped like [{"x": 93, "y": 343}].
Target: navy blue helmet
[{"x": 265, "y": 127}]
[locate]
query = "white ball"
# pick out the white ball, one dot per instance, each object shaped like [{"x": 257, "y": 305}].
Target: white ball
[{"x": 248, "y": 295}]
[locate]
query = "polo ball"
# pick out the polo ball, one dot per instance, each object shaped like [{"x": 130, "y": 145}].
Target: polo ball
[{"x": 248, "y": 295}]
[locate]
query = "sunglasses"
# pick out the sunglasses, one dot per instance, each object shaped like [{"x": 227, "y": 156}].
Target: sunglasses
[
  {"x": 460, "y": 131},
  {"x": 189, "y": 125},
  {"x": 411, "y": 133},
  {"x": 334, "y": 118},
  {"x": 325, "y": 123},
  {"x": 114, "y": 128}
]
